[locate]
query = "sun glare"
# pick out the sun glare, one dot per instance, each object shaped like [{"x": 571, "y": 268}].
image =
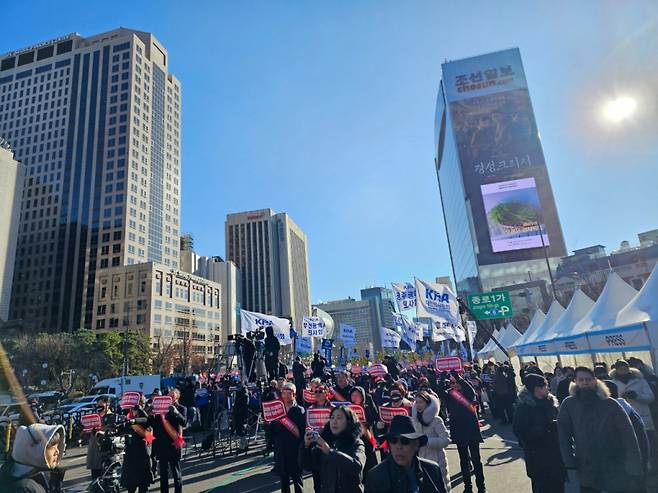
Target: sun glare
[{"x": 620, "y": 109}]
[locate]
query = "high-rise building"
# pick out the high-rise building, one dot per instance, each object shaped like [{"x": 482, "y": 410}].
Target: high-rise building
[
  {"x": 97, "y": 122},
  {"x": 384, "y": 300},
  {"x": 362, "y": 315},
  {"x": 12, "y": 174},
  {"x": 500, "y": 215},
  {"x": 270, "y": 251}
]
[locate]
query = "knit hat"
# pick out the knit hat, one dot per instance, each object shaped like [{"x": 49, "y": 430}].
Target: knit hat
[{"x": 531, "y": 381}]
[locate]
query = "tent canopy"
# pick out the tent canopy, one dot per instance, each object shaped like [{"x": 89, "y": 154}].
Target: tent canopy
[
  {"x": 644, "y": 305},
  {"x": 554, "y": 313},
  {"x": 578, "y": 307},
  {"x": 490, "y": 343},
  {"x": 536, "y": 321}
]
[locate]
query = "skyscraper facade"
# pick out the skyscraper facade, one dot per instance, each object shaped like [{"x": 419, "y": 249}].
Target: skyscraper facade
[
  {"x": 499, "y": 211},
  {"x": 270, "y": 251},
  {"x": 362, "y": 315},
  {"x": 12, "y": 174},
  {"x": 384, "y": 300},
  {"x": 96, "y": 121}
]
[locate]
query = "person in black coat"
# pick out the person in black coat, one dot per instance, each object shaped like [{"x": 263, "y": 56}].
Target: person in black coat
[
  {"x": 298, "y": 370},
  {"x": 403, "y": 471},
  {"x": 563, "y": 387},
  {"x": 535, "y": 425},
  {"x": 287, "y": 439},
  {"x": 165, "y": 447},
  {"x": 336, "y": 455},
  {"x": 272, "y": 348},
  {"x": 361, "y": 398},
  {"x": 136, "y": 473},
  {"x": 459, "y": 398}
]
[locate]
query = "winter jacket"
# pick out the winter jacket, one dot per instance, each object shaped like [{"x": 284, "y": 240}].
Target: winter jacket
[
  {"x": 430, "y": 424},
  {"x": 563, "y": 389},
  {"x": 94, "y": 459},
  {"x": 286, "y": 445},
  {"x": 163, "y": 444},
  {"x": 341, "y": 470},
  {"x": 388, "y": 477},
  {"x": 640, "y": 432},
  {"x": 464, "y": 425},
  {"x": 638, "y": 385},
  {"x": 536, "y": 428},
  {"x": 27, "y": 470},
  {"x": 136, "y": 470},
  {"x": 597, "y": 440}
]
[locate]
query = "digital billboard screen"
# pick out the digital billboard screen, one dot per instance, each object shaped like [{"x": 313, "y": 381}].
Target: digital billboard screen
[
  {"x": 513, "y": 214},
  {"x": 498, "y": 147}
]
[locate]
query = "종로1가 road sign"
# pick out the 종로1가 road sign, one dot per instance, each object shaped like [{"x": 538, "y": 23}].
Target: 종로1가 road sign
[{"x": 495, "y": 304}]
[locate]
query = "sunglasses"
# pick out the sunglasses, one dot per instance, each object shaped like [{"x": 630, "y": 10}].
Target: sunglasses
[
  {"x": 401, "y": 439},
  {"x": 320, "y": 391}
]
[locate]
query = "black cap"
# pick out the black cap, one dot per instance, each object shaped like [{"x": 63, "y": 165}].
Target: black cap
[
  {"x": 403, "y": 426},
  {"x": 531, "y": 381}
]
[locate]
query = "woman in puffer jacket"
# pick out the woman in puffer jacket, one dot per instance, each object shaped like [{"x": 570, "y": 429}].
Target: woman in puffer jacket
[
  {"x": 425, "y": 414},
  {"x": 336, "y": 454}
]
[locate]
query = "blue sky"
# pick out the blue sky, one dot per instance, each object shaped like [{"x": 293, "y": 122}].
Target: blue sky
[{"x": 324, "y": 110}]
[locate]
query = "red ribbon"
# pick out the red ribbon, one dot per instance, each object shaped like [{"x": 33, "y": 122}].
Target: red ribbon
[
  {"x": 458, "y": 396},
  {"x": 290, "y": 426},
  {"x": 176, "y": 436}
]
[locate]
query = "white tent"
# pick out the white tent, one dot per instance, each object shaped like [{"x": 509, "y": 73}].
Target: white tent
[
  {"x": 494, "y": 351},
  {"x": 529, "y": 347},
  {"x": 536, "y": 321},
  {"x": 615, "y": 295},
  {"x": 635, "y": 328},
  {"x": 578, "y": 307},
  {"x": 489, "y": 345},
  {"x": 507, "y": 340}
]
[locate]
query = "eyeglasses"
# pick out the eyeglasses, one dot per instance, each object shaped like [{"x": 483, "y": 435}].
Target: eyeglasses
[
  {"x": 401, "y": 439},
  {"x": 319, "y": 391}
]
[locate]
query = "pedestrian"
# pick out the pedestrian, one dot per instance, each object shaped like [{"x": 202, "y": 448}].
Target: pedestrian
[
  {"x": 336, "y": 455},
  {"x": 597, "y": 438},
  {"x": 425, "y": 413},
  {"x": 564, "y": 385},
  {"x": 136, "y": 473},
  {"x": 634, "y": 388},
  {"x": 504, "y": 392},
  {"x": 317, "y": 366},
  {"x": 535, "y": 425},
  {"x": 272, "y": 348},
  {"x": 359, "y": 397},
  {"x": 321, "y": 394},
  {"x": 403, "y": 471},
  {"x": 298, "y": 373},
  {"x": 35, "y": 455},
  {"x": 168, "y": 442},
  {"x": 94, "y": 459},
  {"x": 287, "y": 436},
  {"x": 343, "y": 387},
  {"x": 459, "y": 398}
]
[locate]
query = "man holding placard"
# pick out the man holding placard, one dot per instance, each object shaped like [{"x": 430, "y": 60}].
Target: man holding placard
[
  {"x": 287, "y": 435},
  {"x": 168, "y": 422}
]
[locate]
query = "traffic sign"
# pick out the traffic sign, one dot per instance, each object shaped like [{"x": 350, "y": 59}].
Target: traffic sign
[{"x": 495, "y": 304}]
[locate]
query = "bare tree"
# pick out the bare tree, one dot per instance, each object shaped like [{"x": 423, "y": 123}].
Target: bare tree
[{"x": 164, "y": 356}]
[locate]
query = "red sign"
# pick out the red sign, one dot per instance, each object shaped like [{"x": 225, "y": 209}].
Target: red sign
[
  {"x": 356, "y": 369},
  {"x": 273, "y": 410},
  {"x": 90, "y": 421},
  {"x": 289, "y": 375},
  {"x": 387, "y": 413},
  {"x": 309, "y": 396},
  {"x": 317, "y": 418},
  {"x": 448, "y": 364},
  {"x": 378, "y": 370},
  {"x": 161, "y": 404},
  {"x": 360, "y": 413},
  {"x": 130, "y": 399}
]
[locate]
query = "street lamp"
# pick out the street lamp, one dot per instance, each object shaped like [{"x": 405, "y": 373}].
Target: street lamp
[{"x": 619, "y": 109}]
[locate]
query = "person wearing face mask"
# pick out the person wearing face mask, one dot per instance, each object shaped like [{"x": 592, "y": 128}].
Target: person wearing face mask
[
  {"x": 137, "y": 472},
  {"x": 287, "y": 436},
  {"x": 535, "y": 426},
  {"x": 94, "y": 460},
  {"x": 425, "y": 414},
  {"x": 336, "y": 454},
  {"x": 359, "y": 397},
  {"x": 36, "y": 453},
  {"x": 597, "y": 439}
]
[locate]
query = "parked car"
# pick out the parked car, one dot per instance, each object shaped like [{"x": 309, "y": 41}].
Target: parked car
[{"x": 84, "y": 403}]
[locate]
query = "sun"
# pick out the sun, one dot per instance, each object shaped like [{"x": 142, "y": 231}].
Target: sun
[{"x": 620, "y": 109}]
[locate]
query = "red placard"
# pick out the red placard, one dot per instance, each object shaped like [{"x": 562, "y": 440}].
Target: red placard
[
  {"x": 360, "y": 413},
  {"x": 356, "y": 369},
  {"x": 273, "y": 410},
  {"x": 309, "y": 396},
  {"x": 387, "y": 413},
  {"x": 129, "y": 399},
  {"x": 161, "y": 404},
  {"x": 289, "y": 375},
  {"x": 317, "y": 418},
  {"x": 378, "y": 370},
  {"x": 90, "y": 421},
  {"x": 448, "y": 364}
]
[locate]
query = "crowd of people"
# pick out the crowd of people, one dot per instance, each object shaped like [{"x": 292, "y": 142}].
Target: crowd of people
[{"x": 387, "y": 431}]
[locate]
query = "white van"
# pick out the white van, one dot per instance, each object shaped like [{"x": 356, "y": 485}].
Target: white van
[{"x": 119, "y": 385}]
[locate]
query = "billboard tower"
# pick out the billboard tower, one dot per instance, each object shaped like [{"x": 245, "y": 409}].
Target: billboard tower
[{"x": 500, "y": 215}]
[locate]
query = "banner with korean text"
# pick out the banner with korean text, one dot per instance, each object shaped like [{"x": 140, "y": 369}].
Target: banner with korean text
[
  {"x": 438, "y": 302},
  {"x": 254, "y": 321},
  {"x": 390, "y": 338},
  {"x": 405, "y": 295},
  {"x": 313, "y": 327},
  {"x": 347, "y": 334}
]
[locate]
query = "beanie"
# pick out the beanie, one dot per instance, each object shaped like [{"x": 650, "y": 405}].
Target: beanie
[{"x": 531, "y": 381}]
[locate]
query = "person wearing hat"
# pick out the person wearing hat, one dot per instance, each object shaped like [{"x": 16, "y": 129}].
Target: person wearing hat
[
  {"x": 287, "y": 436},
  {"x": 535, "y": 425},
  {"x": 403, "y": 471},
  {"x": 36, "y": 452},
  {"x": 425, "y": 414}
]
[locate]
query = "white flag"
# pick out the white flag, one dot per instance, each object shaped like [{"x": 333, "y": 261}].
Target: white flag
[
  {"x": 250, "y": 321},
  {"x": 472, "y": 328},
  {"x": 405, "y": 294},
  {"x": 436, "y": 301},
  {"x": 390, "y": 338},
  {"x": 411, "y": 332},
  {"x": 347, "y": 334},
  {"x": 313, "y": 327}
]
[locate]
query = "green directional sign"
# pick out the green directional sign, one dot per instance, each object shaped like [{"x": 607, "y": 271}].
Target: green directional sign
[{"x": 496, "y": 304}]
